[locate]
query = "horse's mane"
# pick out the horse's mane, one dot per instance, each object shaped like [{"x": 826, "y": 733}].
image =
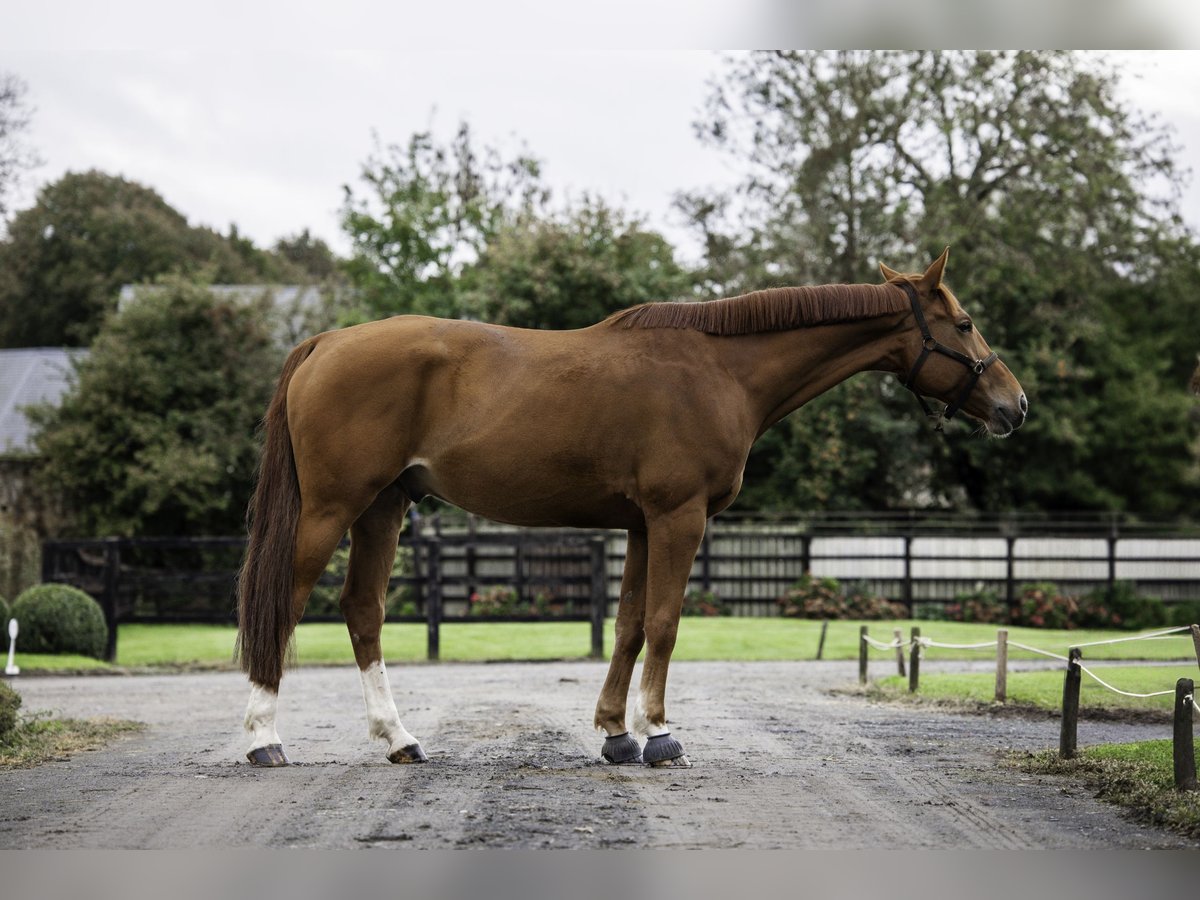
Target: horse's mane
[{"x": 774, "y": 309}]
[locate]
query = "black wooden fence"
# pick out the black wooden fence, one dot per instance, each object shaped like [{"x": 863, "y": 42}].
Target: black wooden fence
[{"x": 575, "y": 575}]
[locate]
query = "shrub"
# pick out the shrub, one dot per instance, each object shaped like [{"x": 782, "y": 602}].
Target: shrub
[
  {"x": 57, "y": 618},
  {"x": 504, "y": 601},
  {"x": 981, "y": 605},
  {"x": 10, "y": 702},
  {"x": 1185, "y": 613},
  {"x": 1042, "y": 605},
  {"x": 1120, "y": 606},
  {"x": 824, "y": 598},
  {"x": 704, "y": 603}
]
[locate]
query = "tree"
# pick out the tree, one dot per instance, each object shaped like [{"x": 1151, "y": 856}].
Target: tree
[
  {"x": 1048, "y": 189},
  {"x": 15, "y": 116},
  {"x": 426, "y": 211},
  {"x": 89, "y": 233},
  {"x": 157, "y": 437},
  {"x": 570, "y": 270},
  {"x": 309, "y": 256}
]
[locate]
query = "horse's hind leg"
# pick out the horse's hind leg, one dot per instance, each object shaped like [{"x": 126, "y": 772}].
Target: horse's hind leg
[
  {"x": 620, "y": 747},
  {"x": 373, "y": 540}
]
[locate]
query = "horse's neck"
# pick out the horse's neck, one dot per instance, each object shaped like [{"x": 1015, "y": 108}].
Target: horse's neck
[{"x": 781, "y": 371}]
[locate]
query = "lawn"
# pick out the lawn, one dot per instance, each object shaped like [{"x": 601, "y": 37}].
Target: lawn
[
  {"x": 1044, "y": 689},
  {"x": 699, "y": 639}
]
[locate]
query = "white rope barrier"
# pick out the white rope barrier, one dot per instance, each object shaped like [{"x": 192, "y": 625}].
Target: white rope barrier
[
  {"x": 1059, "y": 656},
  {"x": 1118, "y": 690},
  {"x": 880, "y": 645},
  {"x": 929, "y": 642},
  {"x": 1137, "y": 637}
]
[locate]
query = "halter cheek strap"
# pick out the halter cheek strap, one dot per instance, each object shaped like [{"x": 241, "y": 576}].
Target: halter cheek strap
[{"x": 929, "y": 344}]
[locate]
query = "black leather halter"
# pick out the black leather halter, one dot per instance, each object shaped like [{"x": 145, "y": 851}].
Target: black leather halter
[{"x": 929, "y": 344}]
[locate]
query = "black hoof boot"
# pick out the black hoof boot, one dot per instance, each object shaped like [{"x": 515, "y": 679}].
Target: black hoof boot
[
  {"x": 662, "y": 750},
  {"x": 271, "y": 756},
  {"x": 410, "y": 754},
  {"x": 622, "y": 750}
]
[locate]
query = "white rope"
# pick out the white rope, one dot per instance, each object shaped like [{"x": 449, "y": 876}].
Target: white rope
[
  {"x": 929, "y": 642},
  {"x": 880, "y": 645},
  {"x": 1121, "y": 692},
  {"x": 1013, "y": 643},
  {"x": 1137, "y": 637}
]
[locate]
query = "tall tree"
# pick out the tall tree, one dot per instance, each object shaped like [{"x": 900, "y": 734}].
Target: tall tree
[
  {"x": 1050, "y": 192},
  {"x": 571, "y": 269},
  {"x": 425, "y": 211},
  {"x": 157, "y": 435},
  {"x": 15, "y": 155},
  {"x": 89, "y": 233}
]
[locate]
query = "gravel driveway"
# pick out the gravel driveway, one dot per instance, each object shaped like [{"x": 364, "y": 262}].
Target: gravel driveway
[{"x": 780, "y": 761}]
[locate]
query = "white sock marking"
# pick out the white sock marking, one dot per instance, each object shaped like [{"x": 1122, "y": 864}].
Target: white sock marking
[
  {"x": 643, "y": 725},
  {"x": 383, "y": 719},
  {"x": 260, "y": 716}
]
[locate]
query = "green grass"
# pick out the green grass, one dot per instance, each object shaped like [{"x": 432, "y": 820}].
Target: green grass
[
  {"x": 699, "y": 639},
  {"x": 1137, "y": 776},
  {"x": 1044, "y": 689},
  {"x": 39, "y": 739}
]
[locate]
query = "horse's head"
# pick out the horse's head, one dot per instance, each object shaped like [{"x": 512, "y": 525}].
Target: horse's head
[{"x": 946, "y": 357}]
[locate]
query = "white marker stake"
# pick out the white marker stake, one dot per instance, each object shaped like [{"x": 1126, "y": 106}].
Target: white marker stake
[{"x": 11, "y": 668}]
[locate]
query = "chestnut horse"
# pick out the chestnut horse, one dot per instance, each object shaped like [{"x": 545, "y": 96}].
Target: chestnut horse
[{"x": 641, "y": 422}]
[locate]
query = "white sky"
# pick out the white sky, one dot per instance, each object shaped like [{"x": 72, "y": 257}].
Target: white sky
[{"x": 265, "y": 138}]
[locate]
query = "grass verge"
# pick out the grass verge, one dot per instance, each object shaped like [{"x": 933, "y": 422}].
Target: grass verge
[
  {"x": 1138, "y": 777},
  {"x": 38, "y": 739},
  {"x": 320, "y": 643}
]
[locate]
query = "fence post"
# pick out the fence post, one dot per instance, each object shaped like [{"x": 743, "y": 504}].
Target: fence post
[
  {"x": 899, "y": 636},
  {"x": 599, "y": 594},
  {"x": 433, "y": 598},
  {"x": 862, "y": 654},
  {"x": 1196, "y": 641},
  {"x": 821, "y": 642},
  {"x": 1184, "y": 749},
  {"x": 914, "y": 662},
  {"x": 1112, "y": 558},
  {"x": 1010, "y": 589},
  {"x": 908, "y": 585},
  {"x": 1001, "y": 665},
  {"x": 706, "y": 562},
  {"x": 112, "y": 581},
  {"x": 1068, "y": 737}
]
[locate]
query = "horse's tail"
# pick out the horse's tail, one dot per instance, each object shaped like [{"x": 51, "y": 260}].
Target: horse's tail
[{"x": 265, "y": 582}]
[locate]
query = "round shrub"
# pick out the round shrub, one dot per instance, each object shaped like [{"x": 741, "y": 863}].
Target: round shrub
[
  {"x": 10, "y": 702},
  {"x": 57, "y": 618}
]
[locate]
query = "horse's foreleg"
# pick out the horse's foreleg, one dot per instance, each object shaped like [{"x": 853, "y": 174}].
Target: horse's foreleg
[
  {"x": 373, "y": 541},
  {"x": 671, "y": 549},
  {"x": 317, "y": 536},
  {"x": 620, "y": 746}
]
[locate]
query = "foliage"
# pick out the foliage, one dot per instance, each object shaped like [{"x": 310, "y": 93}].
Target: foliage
[
  {"x": 1061, "y": 205},
  {"x": 58, "y": 618},
  {"x": 157, "y": 436},
  {"x": 1120, "y": 606},
  {"x": 504, "y": 601},
  {"x": 15, "y": 116},
  {"x": 570, "y": 270},
  {"x": 981, "y": 605},
  {"x": 5, "y": 615},
  {"x": 10, "y": 702},
  {"x": 825, "y": 598},
  {"x": 424, "y": 212},
  {"x": 705, "y": 603},
  {"x": 1042, "y": 605},
  {"x": 89, "y": 233}
]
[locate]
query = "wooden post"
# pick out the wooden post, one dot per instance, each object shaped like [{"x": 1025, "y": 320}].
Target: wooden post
[
  {"x": 899, "y": 636},
  {"x": 1184, "y": 748},
  {"x": 862, "y": 654},
  {"x": 1196, "y": 641},
  {"x": 599, "y": 595},
  {"x": 433, "y": 599},
  {"x": 1068, "y": 736},
  {"x": 914, "y": 662},
  {"x": 821, "y": 642},
  {"x": 108, "y": 602},
  {"x": 1001, "y": 665},
  {"x": 908, "y": 585}
]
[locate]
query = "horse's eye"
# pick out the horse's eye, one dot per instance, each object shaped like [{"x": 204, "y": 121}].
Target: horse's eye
[{"x": 965, "y": 327}]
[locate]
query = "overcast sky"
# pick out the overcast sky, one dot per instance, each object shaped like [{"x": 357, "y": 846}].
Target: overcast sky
[{"x": 265, "y": 138}]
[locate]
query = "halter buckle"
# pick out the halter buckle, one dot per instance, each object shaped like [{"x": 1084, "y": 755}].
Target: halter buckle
[{"x": 929, "y": 343}]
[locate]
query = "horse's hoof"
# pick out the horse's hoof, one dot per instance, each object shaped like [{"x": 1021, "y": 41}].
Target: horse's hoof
[
  {"x": 270, "y": 756},
  {"x": 410, "y": 754},
  {"x": 663, "y": 750},
  {"x": 622, "y": 750}
]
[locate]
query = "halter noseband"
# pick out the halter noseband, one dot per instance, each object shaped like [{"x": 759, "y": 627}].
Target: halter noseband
[{"x": 929, "y": 344}]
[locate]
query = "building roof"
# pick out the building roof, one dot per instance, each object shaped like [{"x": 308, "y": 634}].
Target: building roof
[{"x": 28, "y": 376}]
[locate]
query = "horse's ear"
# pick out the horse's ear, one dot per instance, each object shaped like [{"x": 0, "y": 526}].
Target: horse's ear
[
  {"x": 933, "y": 275},
  {"x": 888, "y": 273}
]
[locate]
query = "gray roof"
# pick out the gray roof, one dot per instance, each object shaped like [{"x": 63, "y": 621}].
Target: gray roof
[{"x": 28, "y": 376}]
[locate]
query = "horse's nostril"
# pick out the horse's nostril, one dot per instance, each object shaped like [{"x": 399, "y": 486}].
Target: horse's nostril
[{"x": 1023, "y": 404}]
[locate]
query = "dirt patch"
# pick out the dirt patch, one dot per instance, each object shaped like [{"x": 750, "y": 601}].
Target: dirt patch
[{"x": 780, "y": 761}]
